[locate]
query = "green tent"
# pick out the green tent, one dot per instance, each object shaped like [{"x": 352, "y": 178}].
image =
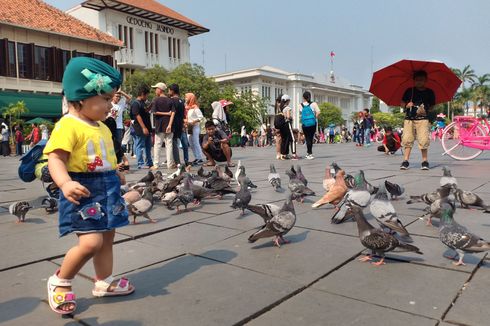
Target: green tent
[
  {"x": 39, "y": 105},
  {"x": 40, "y": 121}
]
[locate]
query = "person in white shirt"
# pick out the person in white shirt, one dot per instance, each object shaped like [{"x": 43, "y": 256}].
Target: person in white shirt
[
  {"x": 263, "y": 135},
  {"x": 194, "y": 118},
  {"x": 119, "y": 102}
]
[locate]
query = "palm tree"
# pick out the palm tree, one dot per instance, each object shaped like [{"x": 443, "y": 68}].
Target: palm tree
[
  {"x": 481, "y": 92},
  {"x": 466, "y": 75}
]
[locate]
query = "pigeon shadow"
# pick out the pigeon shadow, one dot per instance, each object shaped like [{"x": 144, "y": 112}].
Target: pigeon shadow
[
  {"x": 295, "y": 238},
  {"x": 34, "y": 220},
  {"x": 18, "y": 307}
]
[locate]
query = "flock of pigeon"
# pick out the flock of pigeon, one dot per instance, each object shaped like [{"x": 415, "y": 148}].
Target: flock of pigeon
[{"x": 349, "y": 194}]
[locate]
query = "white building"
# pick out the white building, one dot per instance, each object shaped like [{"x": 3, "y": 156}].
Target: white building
[
  {"x": 270, "y": 82},
  {"x": 152, "y": 33}
]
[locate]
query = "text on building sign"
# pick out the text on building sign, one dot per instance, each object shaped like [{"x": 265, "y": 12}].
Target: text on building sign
[{"x": 147, "y": 24}]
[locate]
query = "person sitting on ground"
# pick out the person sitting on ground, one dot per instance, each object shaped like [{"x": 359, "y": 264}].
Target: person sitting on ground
[
  {"x": 215, "y": 146},
  {"x": 391, "y": 142}
]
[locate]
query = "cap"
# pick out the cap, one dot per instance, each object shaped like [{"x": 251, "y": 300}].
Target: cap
[
  {"x": 162, "y": 86},
  {"x": 225, "y": 103},
  {"x": 285, "y": 98}
]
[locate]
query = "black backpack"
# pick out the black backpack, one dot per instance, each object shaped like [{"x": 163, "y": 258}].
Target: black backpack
[{"x": 279, "y": 121}]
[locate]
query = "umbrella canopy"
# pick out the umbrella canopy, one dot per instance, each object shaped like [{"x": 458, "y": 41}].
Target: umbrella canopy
[
  {"x": 389, "y": 83},
  {"x": 39, "y": 121}
]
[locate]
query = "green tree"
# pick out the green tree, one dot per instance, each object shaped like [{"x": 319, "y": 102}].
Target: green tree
[
  {"x": 145, "y": 77},
  {"x": 375, "y": 105},
  {"x": 247, "y": 108},
  {"x": 481, "y": 92},
  {"x": 466, "y": 75},
  {"x": 384, "y": 119},
  {"x": 329, "y": 114},
  {"x": 12, "y": 113}
]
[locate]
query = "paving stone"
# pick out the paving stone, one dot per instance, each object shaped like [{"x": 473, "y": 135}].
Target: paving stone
[
  {"x": 190, "y": 291},
  {"x": 412, "y": 288},
  {"x": 22, "y": 291},
  {"x": 232, "y": 220},
  {"x": 470, "y": 308},
  {"x": 317, "y": 308},
  {"x": 310, "y": 254}
]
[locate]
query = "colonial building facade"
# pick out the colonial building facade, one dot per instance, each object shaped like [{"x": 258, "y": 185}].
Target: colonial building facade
[
  {"x": 152, "y": 33},
  {"x": 270, "y": 82}
]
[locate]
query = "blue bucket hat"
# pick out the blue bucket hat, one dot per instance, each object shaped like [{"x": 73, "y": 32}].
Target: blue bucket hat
[{"x": 87, "y": 77}]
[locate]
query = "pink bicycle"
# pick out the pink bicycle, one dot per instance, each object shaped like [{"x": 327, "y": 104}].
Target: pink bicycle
[{"x": 466, "y": 137}]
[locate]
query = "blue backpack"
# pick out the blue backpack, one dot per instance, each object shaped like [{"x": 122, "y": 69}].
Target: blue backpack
[
  {"x": 29, "y": 160},
  {"x": 307, "y": 116}
]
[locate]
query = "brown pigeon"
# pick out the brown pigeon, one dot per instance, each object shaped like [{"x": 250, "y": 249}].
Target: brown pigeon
[{"x": 336, "y": 193}]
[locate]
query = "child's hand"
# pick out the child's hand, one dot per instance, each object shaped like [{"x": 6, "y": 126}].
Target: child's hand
[{"x": 73, "y": 191}]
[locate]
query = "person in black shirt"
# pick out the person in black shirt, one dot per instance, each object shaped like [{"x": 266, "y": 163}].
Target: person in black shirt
[
  {"x": 142, "y": 128},
  {"x": 417, "y": 102},
  {"x": 215, "y": 146},
  {"x": 178, "y": 126},
  {"x": 163, "y": 112}
]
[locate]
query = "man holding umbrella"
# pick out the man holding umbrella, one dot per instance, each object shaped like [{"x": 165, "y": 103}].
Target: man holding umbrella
[{"x": 417, "y": 101}]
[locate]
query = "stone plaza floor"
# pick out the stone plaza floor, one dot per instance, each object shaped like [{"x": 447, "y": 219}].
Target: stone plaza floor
[{"x": 197, "y": 268}]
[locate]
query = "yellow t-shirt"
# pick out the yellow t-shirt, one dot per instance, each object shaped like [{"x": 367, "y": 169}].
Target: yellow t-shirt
[{"x": 90, "y": 147}]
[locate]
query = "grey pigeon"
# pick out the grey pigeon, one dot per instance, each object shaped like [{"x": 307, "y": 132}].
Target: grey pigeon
[
  {"x": 142, "y": 206},
  {"x": 243, "y": 176},
  {"x": 372, "y": 189},
  {"x": 50, "y": 204},
  {"x": 180, "y": 171},
  {"x": 279, "y": 225},
  {"x": 378, "y": 241},
  {"x": 384, "y": 212},
  {"x": 457, "y": 237},
  {"x": 266, "y": 211},
  {"x": 427, "y": 198},
  {"x": 445, "y": 195},
  {"x": 447, "y": 177},
  {"x": 221, "y": 174},
  {"x": 242, "y": 197},
  {"x": 300, "y": 175},
  {"x": 395, "y": 190},
  {"x": 203, "y": 173},
  {"x": 228, "y": 172},
  {"x": 200, "y": 193},
  {"x": 219, "y": 185},
  {"x": 20, "y": 209},
  {"x": 469, "y": 199},
  {"x": 298, "y": 189},
  {"x": 274, "y": 178},
  {"x": 358, "y": 196},
  {"x": 185, "y": 196},
  {"x": 148, "y": 178}
]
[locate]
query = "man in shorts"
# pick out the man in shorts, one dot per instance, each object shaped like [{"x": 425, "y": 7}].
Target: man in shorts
[
  {"x": 215, "y": 146},
  {"x": 417, "y": 102}
]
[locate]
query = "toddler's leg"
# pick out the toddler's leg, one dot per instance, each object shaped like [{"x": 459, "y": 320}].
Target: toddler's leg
[{"x": 103, "y": 259}]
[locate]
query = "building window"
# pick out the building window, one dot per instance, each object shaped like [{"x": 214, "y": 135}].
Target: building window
[
  {"x": 125, "y": 36},
  {"x": 120, "y": 32},
  {"x": 151, "y": 42},
  {"x": 63, "y": 57},
  {"x": 178, "y": 49},
  {"x": 42, "y": 59},
  {"x": 266, "y": 92},
  {"x": 131, "y": 38},
  {"x": 169, "y": 47},
  {"x": 156, "y": 43},
  {"x": 24, "y": 56},
  {"x": 11, "y": 68},
  {"x": 146, "y": 42},
  {"x": 174, "y": 52}
]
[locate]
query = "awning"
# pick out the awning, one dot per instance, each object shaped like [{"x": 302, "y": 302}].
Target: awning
[{"x": 39, "y": 105}]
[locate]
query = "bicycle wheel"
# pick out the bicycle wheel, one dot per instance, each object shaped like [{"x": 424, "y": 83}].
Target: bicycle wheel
[{"x": 452, "y": 144}]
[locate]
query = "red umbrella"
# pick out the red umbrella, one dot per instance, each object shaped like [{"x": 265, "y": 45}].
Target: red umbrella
[{"x": 389, "y": 83}]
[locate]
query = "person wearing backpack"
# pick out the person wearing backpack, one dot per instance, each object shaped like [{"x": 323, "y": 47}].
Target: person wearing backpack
[{"x": 309, "y": 113}]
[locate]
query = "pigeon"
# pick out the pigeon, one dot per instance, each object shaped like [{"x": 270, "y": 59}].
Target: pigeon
[
  {"x": 469, "y": 199},
  {"x": 168, "y": 197},
  {"x": 349, "y": 179},
  {"x": 336, "y": 193},
  {"x": 242, "y": 197},
  {"x": 274, "y": 178},
  {"x": 298, "y": 188},
  {"x": 378, "y": 241},
  {"x": 171, "y": 185},
  {"x": 395, "y": 190},
  {"x": 358, "y": 196},
  {"x": 141, "y": 206},
  {"x": 158, "y": 176},
  {"x": 445, "y": 195},
  {"x": 447, "y": 177},
  {"x": 50, "y": 204},
  {"x": 427, "y": 198},
  {"x": 384, "y": 212},
  {"x": 185, "y": 196},
  {"x": 372, "y": 189},
  {"x": 328, "y": 179},
  {"x": 228, "y": 172},
  {"x": 148, "y": 178},
  {"x": 457, "y": 237},
  {"x": 221, "y": 174},
  {"x": 20, "y": 210},
  {"x": 243, "y": 176},
  {"x": 266, "y": 211},
  {"x": 278, "y": 225},
  {"x": 300, "y": 175},
  {"x": 200, "y": 193},
  {"x": 219, "y": 185},
  {"x": 203, "y": 173},
  {"x": 238, "y": 170},
  {"x": 180, "y": 170}
]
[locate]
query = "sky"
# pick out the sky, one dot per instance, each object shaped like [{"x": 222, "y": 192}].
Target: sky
[{"x": 297, "y": 36}]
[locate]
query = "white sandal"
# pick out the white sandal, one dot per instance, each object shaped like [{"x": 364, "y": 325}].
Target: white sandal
[
  {"x": 58, "y": 299},
  {"x": 123, "y": 287}
]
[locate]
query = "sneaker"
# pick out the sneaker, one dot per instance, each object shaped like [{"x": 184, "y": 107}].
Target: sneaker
[
  {"x": 425, "y": 165},
  {"x": 404, "y": 165},
  {"x": 309, "y": 157},
  {"x": 154, "y": 167},
  {"x": 295, "y": 158}
]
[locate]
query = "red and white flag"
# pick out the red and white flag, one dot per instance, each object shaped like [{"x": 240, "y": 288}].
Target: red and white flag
[{"x": 332, "y": 54}]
